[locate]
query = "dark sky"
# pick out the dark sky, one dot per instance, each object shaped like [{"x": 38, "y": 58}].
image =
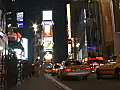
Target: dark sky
[
  {"x": 33, "y": 12},
  {"x": 38, "y": 3}
]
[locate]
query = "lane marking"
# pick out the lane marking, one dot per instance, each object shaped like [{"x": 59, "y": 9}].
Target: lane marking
[{"x": 59, "y": 83}]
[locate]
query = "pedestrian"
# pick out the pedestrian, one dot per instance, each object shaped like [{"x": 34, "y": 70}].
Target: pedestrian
[{"x": 37, "y": 67}]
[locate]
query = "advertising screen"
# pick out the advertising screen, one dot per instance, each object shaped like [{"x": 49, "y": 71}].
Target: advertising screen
[
  {"x": 20, "y": 16},
  {"x": 48, "y": 44},
  {"x": 25, "y": 45},
  {"x": 47, "y": 15},
  {"x": 20, "y": 25},
  {"x": 91, "y": 47},
  {"x": 19, "y": 53},
  {"x": 48, "y": 32}
]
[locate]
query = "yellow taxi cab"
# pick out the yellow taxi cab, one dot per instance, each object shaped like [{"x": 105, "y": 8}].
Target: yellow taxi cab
[
  {"x": 55, "y": 68},
  {"x": 48, "y": 67},
  {"x": 110, "y": 68},
  {"x": 74, "y": 68}
]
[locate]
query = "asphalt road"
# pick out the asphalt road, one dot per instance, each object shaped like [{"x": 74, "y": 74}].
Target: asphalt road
[{"x": 107, "y": 83}]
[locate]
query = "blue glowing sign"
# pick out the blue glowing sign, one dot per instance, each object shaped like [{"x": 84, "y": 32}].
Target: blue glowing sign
[
  {"x": 91, "y": 47},
  {"x": 20, "y": 25}
]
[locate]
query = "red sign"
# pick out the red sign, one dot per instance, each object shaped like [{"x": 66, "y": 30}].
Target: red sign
[
  {"x": 48, "y": 31},
  {"x": 14, "y": 36},
  {"x": 96, "y": 58},
  {"x": 69, "y": 41}
]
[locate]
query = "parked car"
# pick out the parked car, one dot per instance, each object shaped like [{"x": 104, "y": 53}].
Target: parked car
[
  {"x": 74, "y": 68},
  {"x": 55, "y": 68}
]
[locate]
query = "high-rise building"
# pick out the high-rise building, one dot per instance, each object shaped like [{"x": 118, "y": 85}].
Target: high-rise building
[
  {"x": 86, "y": 28},
  {"x": 95, "y": 27}
]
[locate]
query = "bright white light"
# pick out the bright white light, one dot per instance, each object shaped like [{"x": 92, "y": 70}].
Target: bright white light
[
  {"x": 25, "y": 45},
  {"x": 48, "y": 56},
  {"x": 84, "y": 21},
  {"x": 9, "y": 25},
  {"x": 47, "y": 15},
  {"x": 2, "y": 34},
  {"x": 69, "y": 20},
  {"x": 9, "y": 12},
  {"x": 50, "y": 23},
  {"x": 47, "y": 30},
  {"x": 5, "y": 52},
  {"x": 119, "y": 5},
  {"x": 35, "y": 26},
  {"x": 19, "y": 53},
  {"x": 20, "y": 16},
  {"x": 78, "y": 44},
  {"x": 85, "y": 13},
  {"x": 1, "y": 48},
  {"x": 13, "y": 0},
  {"x": 38, "y": 57}
]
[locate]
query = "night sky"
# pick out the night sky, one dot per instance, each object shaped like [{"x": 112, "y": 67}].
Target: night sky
[{"x": 33, "y": 13}]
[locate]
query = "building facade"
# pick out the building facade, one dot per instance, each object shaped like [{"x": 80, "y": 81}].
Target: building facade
[{"x": 95, "y": 28}]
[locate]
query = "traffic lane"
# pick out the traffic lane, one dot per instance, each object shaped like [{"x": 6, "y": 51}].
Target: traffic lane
[{"x": 107, "y": 83}]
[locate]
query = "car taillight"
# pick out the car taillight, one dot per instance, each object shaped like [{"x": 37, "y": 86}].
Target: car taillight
[
  {"x": 68, "y": 70},
  {"x": 55, "y": 69},
  {"x": 92, "y": 68},
  {"x": 88, "y": 68}
]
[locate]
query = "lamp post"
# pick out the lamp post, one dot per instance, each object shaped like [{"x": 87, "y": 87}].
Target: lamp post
[{"x": 35, "y": 26}]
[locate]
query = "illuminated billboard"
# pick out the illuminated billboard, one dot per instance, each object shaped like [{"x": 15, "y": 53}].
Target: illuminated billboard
[
  {"x": 48, "y": 32},
  {"x": 20, "y": 53},
  {"x": 25, "y": 45},
  {"x": 20, "y": 20},
  {"x": 20, "y": 16},
  {"x": 44, "y": 23},
  {"x": 48, "y": 44},
  {"x": 20, "y": 25},
  {"x": 47, "y": 15}
]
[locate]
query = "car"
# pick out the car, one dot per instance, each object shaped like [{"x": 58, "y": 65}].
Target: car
[
  {"x": 48, "y": 67},
  {"x": 55, "y": 68},
  {"x": 110, "y": 68},
  {"x": 73, "y": 68}
]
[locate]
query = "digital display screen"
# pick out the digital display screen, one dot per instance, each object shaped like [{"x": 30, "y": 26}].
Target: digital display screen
[
  {"x": 20, "y": 16},
  {"x": 47, "y": 15},
  {"x": 20, "y": 25}
]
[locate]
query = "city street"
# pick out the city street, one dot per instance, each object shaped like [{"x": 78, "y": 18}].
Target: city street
[
  {"x": 107, "y": 83},
  {"x": 48, "y": 82},
  {"x": 43, "y": 43}
]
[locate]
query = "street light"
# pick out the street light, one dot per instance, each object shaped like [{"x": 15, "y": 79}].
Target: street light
[{"x": 35, "y": 27}]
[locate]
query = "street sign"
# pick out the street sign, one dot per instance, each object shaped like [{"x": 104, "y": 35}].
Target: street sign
[{"x": 91, "y": 47}]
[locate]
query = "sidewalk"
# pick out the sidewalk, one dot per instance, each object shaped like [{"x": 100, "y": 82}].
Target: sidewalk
[{"x": 37, "y": 83}]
